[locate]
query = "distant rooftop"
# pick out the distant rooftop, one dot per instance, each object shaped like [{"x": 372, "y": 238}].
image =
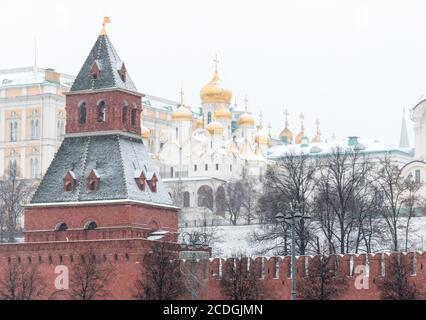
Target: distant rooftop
[
  {"x": 367, "y": 146},
  {"x": 29, "y": 76}
]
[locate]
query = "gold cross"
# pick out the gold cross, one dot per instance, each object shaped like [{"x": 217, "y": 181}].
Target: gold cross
[
  {"x": 261, "y": 120},
  {"x": 246, "y": 103},
  {"x": 181, "y": 95}
]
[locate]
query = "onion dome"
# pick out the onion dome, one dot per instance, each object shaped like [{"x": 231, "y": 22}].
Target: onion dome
[
  {"x": 286, "y": 135},
  {"x": 301, "y": 135},
  {"x": 214, "y": 93},
  {"x": 145, "y": 132},
  {"x": 182, "y": 114},
  {"x": 262, "y": 138},
  {"x": 246, "y": 119},
  {"x": 215, "y": 128},
  {"x": 223, "y": 114}
]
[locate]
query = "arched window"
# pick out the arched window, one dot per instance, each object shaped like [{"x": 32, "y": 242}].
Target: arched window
[
  {"x": 133, "y": 117},
  {"x": 205, "y": 197},
  {"x": 124, "y": 113},
  {"x": 13, "y": 131},
  {"x": 13, "y": 168},
  {"x": 90, "y": 225},
  {"x": 82, "y": 113},
  {"x": 34, "y": 168},
  {"x": 34, "y": 129},
  {"x": 60, "y": 227},
  {"x": 186, "y": 199},
  {"x": 209, "y": 118},
  {"x": 177, "y": 133},
  {"x": 101, "y": 116}
]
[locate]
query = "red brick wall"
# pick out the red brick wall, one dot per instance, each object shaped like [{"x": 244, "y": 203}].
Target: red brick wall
[
  {"x": 130, "y": 253},
  {"x": 114, "y": 103},
  {"x": 110, "y": 219}
]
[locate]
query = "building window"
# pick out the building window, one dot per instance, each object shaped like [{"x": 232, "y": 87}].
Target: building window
[
  {"x": 34, "y": 129},
  {"x": 82, "y": 113},
  {"x": 195, "y": 168},
  {"x": 217, "y": 167},
  {"x": 418, "y": 176},
  {"x": 152, "y": 182},
  {"x": 186, "y": 199},
  {"x": 101, "y": 112},
  {"x": 207, "y": 167},
  {"x": 13, "y": 168},
  {"x": 124, "y": 114},
  {"x": 60, "y": 227},
  {"x": 34, "y": 168},
  {"x": 90, "y": 225},
  {"x": 205, "y": 197},
  {"x": 13, "y": 131},
  {"x": 209, "y": 118},
  {"x": 230, "y": 167},
  {"x": 177, "y": 133},
  {"x": 133, "y": 117}
]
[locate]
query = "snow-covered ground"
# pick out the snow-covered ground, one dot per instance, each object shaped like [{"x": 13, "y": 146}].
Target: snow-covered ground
[{"x": 229, "y": 240}]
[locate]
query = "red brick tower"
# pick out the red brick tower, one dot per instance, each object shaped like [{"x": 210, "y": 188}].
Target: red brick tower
[{"x": 102, "y": 183}]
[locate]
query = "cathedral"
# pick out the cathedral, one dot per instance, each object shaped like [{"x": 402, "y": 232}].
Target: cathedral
[{"x": 204, "y": 151}]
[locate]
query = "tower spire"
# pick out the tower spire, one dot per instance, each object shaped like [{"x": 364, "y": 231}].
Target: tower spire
[
  {"x": 181, "y": 93},
  {"x": 106, "y": 20},
  {"x": 216, "y": 63},
  {"x": 403, "y": 140},
  {"x": 286, "y": 114}
]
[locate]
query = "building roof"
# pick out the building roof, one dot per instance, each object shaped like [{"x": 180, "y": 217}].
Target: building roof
[
  {"x": 115, "y": 157},
  {"x": 104, "y": 55},
  {"x": 366, "y": 146},
  {"x": 26, "y": 76}
]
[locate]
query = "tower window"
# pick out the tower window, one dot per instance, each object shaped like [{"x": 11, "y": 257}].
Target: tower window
[
  {"x": 101, "y": 112},
  {"x": 124, "y": 113},
  {"x": 152, "y": 181},
  {"x": 207, "y": 167},
  {"x": 60, "y": 227},
  {"x": 69, "y": 181},
  {"x": 90, "y": 225},
  {"x": 195, "y": 167},
  {"x": 133, "y": 117},
  {"x": 177, "y": 133},
  {"x": 209, "y": 118},
  {"x": 217, "y": 167},
  {"x": 82, "y": 113},
  {"x": 95, "y": 71},
  {"x": 93, "y": 180}
]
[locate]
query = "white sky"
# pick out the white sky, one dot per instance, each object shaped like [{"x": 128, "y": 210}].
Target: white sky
[{"x": 352, "y": 64}]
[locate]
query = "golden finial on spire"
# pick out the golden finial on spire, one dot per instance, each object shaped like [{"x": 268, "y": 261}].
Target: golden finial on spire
[
  {"x": 317, "y": 138},
  {"x": 106, "y": 20},
  {"x": 302, "y": 118}
]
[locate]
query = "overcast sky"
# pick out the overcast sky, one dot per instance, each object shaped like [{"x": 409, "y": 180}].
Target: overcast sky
[{"x": 353, "y": 64}]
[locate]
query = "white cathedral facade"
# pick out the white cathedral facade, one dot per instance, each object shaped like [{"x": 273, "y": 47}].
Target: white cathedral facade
[{"x": 203, "y": 152}]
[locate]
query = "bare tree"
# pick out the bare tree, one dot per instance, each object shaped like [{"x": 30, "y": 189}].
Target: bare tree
[
  {"x": 241, "y": 280},
  {"x": 13, "y": 192},
  {"x": 288, "y": 187},
  {"x": 399, "y": 197},
  {"x": 160, "y": 275},
  {"x": 234, "y": 200},
  {"x": 396, "y": 284},
  {"x": 21, "y": 282},
  {"x": 90, "y": 278},
  {"x": 342, "y": 186},
  {"x": 323, "y": 281},
  {"x": 250, "y": 197}
]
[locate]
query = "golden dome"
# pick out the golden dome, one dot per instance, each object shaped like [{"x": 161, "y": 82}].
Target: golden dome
[
  {"x": 145, "y": 132},
  {"x": 286, "y": 136},
  {"x": 214, "y": 93},
  {"x": 223, "y": 114},
  {"x": 182, "y": 114},
  {"x": 246, "y": 119},
  {"x": 215, "y": 128},
  {"x": 301, "y": 135}
]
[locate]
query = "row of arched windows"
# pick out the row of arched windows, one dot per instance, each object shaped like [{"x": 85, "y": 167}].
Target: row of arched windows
[
  {"x": 101, "y": 113},
  {"x": 90, "y": 225},
  {"x": 206, "y": 198}
]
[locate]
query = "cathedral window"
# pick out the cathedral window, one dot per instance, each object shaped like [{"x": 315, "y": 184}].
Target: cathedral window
[
  {"x": 209, "y": 118},
  {"x": 206, "y": 167},
  {"x": 172, "y": 172},
  {"x": 230, "y": 167},
  {"x": 217, "y": 167},
  {"x": 195, "y": 167},
  {"x": 82, "y": 113},
  {"x": 101, "y": 112},
  {"x": 60, "y": 227},
  {"x": 133, "y": 117},
  {"x": 177, "y": 133},
  {"x": 418, "y": 176},
  {"x": 205, "y": 197},
  {"x": 13, "y": 168},
  {"x": 186, "y": 199}
]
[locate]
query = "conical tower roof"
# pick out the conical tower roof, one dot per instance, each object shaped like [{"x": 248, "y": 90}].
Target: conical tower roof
[{"x": 112, "y": 71}]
